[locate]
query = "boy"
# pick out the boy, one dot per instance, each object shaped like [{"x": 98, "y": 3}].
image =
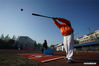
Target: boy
[{"x": 67, "y": 32}]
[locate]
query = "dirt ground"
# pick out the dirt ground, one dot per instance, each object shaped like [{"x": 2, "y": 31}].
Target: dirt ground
[{"x": 79, "y": 57}]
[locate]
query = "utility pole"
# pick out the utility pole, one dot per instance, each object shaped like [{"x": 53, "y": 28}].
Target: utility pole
[{"x": 89, "y": 30}]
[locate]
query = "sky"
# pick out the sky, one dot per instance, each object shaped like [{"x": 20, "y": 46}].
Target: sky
[{"x": 83, "y": 14}]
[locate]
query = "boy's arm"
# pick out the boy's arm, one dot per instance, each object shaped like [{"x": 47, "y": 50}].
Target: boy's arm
[
  {"x": 64, "y": 21},
  {"x": 57, "y": 24}
]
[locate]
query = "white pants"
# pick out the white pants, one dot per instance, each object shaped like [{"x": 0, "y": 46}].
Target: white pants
[{"x": 68, "y": 45}]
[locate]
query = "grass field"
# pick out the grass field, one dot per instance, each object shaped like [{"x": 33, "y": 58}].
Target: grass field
[{"x": 15, "y": 60}]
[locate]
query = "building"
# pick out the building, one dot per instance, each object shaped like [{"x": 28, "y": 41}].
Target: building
[
  {"x": 89, "y": 46},
  {"x": 59, "y": 47},
  {"x": 25, "y": 43},
  {"x": 89, "y": 37},
  {"x": 89, "y": 42}
]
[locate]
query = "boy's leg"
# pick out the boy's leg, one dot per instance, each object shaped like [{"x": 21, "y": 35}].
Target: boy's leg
[
  {"x": 70, "y": 47},
  {"x": 66, "y": 45}
]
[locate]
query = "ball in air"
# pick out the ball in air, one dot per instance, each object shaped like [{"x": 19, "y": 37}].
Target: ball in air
[{"x": 21, "y": 9}]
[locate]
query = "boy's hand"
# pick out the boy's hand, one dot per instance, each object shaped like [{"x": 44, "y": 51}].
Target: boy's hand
[{"x": 54, "y": 18}]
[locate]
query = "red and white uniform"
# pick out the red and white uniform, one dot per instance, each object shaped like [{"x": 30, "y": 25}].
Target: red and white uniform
[{"x": 67, "y": 31}]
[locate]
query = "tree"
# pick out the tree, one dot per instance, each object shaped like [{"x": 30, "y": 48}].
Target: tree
[
  {"x": 9, "y": 43},
  {"x": 40, "y": 46},
  {"x": 2, "y": 44},
  {"x": 35, "y": 45}
]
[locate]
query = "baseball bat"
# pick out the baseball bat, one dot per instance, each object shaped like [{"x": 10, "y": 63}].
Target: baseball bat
[{"x": 41, "y": 15}]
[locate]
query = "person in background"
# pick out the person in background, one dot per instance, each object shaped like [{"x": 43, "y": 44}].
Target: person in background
[
  {"x": 67, "y": 32},
  {"x": 44, "y": 45}
]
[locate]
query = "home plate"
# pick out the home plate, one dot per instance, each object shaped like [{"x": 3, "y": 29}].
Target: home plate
[{"x": 41, "y": 57}]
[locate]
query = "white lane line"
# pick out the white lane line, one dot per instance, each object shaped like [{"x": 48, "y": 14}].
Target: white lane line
[{"x": 53, "y": 59}]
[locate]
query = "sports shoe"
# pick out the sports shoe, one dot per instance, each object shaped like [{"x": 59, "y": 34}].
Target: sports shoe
[{"x": 70, "y": 61}]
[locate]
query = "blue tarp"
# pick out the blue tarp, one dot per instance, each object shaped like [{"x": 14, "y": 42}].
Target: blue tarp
[{"x": 48, "y": 51}]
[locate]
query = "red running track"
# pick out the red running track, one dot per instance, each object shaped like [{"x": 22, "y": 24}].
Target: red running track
[{"x": 40, "y": 57}]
